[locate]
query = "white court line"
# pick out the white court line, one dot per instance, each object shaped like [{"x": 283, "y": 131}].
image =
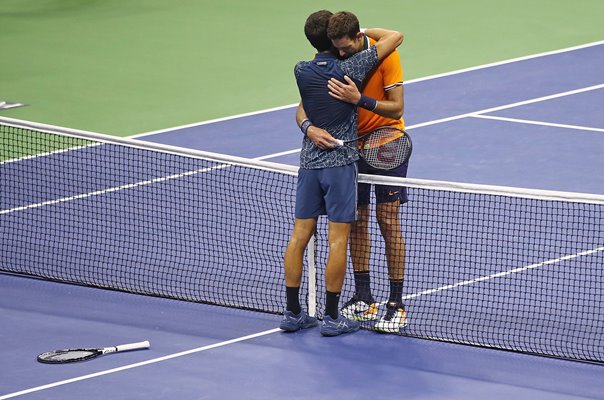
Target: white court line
[
  {"x": 140, "y": 364},
  {"x": 282, "y": 153},
  {"x": 39, "y": 388},
  {"x": 112, "y": 189},
  {"x": 504, "y": 273},
  {"x": 448, "y": 119},
  {"x": 410, "y": 127},
  {"x": 477, "y": 114},
  {"x": 212, "y": 121},
  {"x": 472, "y": 114},
  {"x": 4, "y": 106},
  {"x": 507, "y": 106},
  {"x": 270, "y": 331},
  {"x": 509, "y": 61},
  {"x": 426, "y": 78},
  {"x": 543, "y": 123},
  {"x": 49, "y": 153}
]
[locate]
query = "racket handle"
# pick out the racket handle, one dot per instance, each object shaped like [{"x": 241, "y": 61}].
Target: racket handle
[
  {"x": 339, "y": 142},
  {"x": 133, "y": 346}
]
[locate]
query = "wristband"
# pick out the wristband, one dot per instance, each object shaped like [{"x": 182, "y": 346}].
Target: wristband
[
  {"x": 305, "y": 125},
  {"x": 367, "y": 103}
]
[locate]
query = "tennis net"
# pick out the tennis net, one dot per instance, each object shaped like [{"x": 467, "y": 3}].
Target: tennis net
[{"x": 507, "y": 268}]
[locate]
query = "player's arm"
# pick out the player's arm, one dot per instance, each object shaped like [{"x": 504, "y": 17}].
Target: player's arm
[
  {"x": 387, "y": 40},
  {"x": 392, "y": 107},
  {"x": 320, "y": 137}
]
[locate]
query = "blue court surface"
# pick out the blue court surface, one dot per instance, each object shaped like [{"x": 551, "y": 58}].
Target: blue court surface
[{"x": 535, "y": 122}]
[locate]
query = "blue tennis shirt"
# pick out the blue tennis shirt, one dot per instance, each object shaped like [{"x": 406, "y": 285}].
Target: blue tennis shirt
[{"x": 336, "y": 117}]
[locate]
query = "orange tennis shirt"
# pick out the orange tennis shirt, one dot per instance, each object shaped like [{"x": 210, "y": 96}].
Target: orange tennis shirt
[{"x": 389, "y": 74}]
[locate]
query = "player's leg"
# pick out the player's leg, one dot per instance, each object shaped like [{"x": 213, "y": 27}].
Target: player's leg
[
  {"x": 339, "y": 185},
  {"x": 335, "y": 271},
  {"x": 360, "y": 243},
  {"x": 294, "y": 254},
  {"x": 388, "y": 214},
  {"x": 309, "y": 205},
  {"x": 294, "y": 318},
  {"x": 361, "y": 305}
]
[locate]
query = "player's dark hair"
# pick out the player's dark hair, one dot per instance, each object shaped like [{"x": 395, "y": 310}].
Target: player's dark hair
[
  {"x": 343, "y": 23},
  {"x": 315, "y": 30}
]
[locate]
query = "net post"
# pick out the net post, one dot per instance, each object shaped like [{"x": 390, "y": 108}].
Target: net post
[{"x": 312, "y": 276}]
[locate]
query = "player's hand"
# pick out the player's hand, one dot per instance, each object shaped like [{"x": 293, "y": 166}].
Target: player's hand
[
  {"x": 321, "y": 138},
  {"x": 347, "y": 92}
]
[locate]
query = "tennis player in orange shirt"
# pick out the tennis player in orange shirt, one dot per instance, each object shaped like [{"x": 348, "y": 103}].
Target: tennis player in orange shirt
[{"x": 381, "y": 103}]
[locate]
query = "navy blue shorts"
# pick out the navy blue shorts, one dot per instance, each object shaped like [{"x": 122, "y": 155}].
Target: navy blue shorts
[
  {"x": 328, "y": 191},
  {"x": 383, "y": 194}
]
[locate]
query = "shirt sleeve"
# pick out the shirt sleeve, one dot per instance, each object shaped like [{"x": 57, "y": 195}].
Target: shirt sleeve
[
  {"x": 360, "y": 64},
  {"x": 392, "y": 70},
  {"x": 297, "y": 68}
]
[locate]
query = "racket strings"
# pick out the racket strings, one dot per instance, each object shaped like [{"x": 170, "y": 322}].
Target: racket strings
[
  {"x": 385, "y": 151},
  {"x": 62, "y": 356}
]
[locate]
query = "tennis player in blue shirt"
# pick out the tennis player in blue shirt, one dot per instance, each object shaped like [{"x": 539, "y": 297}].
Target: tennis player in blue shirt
[{"x": 327, "y": 177}]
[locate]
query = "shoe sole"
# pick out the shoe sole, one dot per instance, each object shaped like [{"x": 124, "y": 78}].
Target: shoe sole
[
  {"x": 360, "y": 317},
  {"x": 295, "y": 328},
  {"x": 331, "y": 334},
  {"x": 399, "y": 329},
  {"x": 335, "y": 331}
]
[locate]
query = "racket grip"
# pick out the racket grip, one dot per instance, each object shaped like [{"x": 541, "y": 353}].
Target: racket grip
[
  {"x": 133, "y": 346},
  {"x": 339, "y": 142}
]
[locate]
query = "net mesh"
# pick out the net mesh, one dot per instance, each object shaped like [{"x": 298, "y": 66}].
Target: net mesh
[{"x": 517, "y": 270}]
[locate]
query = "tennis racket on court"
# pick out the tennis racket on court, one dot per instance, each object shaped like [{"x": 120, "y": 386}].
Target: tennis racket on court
[
  {"x": 74, "y": 355},
  {"x": 386, "y": 147}
]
